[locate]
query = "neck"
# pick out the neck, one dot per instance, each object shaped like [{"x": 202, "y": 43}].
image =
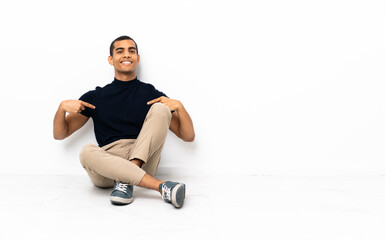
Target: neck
[{"x": 125, "y": 76}]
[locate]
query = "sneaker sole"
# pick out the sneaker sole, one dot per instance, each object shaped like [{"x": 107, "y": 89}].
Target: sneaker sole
[
  {"x": 178, "y": 195},
  {"x": 120, "y": 201}
]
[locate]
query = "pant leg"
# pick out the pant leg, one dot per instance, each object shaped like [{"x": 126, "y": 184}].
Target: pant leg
[
  {"x": 149, "y": 144},
  {"x": 109, "y": 163},
  {"x": 103, "y": 165}
]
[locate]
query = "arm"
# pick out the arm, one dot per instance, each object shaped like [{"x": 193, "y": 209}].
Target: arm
[
  {"x": 64, "y": 126},
  {"x": 181, "y": 123}
]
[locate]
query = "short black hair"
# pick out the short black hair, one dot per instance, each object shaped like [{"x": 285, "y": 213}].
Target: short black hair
[{"x": 120, "y": 39}]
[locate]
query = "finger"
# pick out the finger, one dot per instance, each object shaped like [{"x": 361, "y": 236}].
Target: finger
[
  {"x": 88, "y": 105},
  {"x": 154, "y": 101}
]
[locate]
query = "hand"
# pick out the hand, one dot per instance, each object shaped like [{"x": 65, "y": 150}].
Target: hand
[
  {"x": 172, "y": 104},
  {"x": 75, "y": 106}
]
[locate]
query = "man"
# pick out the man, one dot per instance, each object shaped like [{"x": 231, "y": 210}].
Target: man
[{"x": 131, "y": 122}]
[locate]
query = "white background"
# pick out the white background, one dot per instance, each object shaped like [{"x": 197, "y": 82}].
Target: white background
[{"x": 273, "y": 87}]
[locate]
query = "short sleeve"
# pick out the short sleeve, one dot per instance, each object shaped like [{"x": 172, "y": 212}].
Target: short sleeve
[
  {"x": 88, "y": 97},
  {"x": 155, "y": 93}
]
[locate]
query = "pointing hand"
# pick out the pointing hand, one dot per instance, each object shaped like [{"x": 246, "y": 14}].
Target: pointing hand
[{"x": 75, "y": 106}]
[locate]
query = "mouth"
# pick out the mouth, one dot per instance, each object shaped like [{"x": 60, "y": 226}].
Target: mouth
[{"x": 125, "y": 62}]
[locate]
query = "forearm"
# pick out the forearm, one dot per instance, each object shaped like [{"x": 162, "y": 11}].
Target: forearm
[
  {"x": 60, "y": 125},
  {"x": 186, "y": 127}
]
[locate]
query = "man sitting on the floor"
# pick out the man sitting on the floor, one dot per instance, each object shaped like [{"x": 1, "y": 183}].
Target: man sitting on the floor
[{"x": 131, "y": 122}]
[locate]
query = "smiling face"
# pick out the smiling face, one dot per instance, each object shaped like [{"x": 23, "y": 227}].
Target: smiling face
[{"x": 125, "y": 59}]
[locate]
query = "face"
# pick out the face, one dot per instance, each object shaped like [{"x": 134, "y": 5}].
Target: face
[{"x": 124, "y": 57}]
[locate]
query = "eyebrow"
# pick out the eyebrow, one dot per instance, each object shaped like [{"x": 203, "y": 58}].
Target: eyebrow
[{"x": 120, "y": 48}]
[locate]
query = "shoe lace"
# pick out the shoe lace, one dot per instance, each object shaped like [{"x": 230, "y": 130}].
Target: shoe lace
[
  {"x": 121, "y": 186},
  {"x": 166, "y": 193}
]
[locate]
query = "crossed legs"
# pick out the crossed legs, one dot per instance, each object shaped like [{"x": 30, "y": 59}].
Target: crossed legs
[{"x": 131, "y": 161}]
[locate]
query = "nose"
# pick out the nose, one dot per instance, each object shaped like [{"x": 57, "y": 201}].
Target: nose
[{"x": 126, "y": 54}]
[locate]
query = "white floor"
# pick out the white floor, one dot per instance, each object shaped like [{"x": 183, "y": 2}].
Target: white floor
[{"x": 220, "y": 207}]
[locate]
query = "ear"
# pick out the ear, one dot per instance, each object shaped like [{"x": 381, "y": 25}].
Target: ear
[
  {"x": 110, "y": 60},
  {"x": 138, "y": 58}
]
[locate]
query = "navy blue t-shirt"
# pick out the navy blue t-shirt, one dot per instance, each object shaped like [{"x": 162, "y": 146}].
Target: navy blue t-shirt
[{"x": 120, "y": 109}]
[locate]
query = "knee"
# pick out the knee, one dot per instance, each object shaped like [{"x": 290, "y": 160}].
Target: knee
[
  {"x": 161, "y": 110},
  {"x": 85, "y": 153}
]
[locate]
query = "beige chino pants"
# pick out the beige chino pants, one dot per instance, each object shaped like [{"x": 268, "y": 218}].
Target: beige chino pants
[{"x": 112, "y": 162}]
